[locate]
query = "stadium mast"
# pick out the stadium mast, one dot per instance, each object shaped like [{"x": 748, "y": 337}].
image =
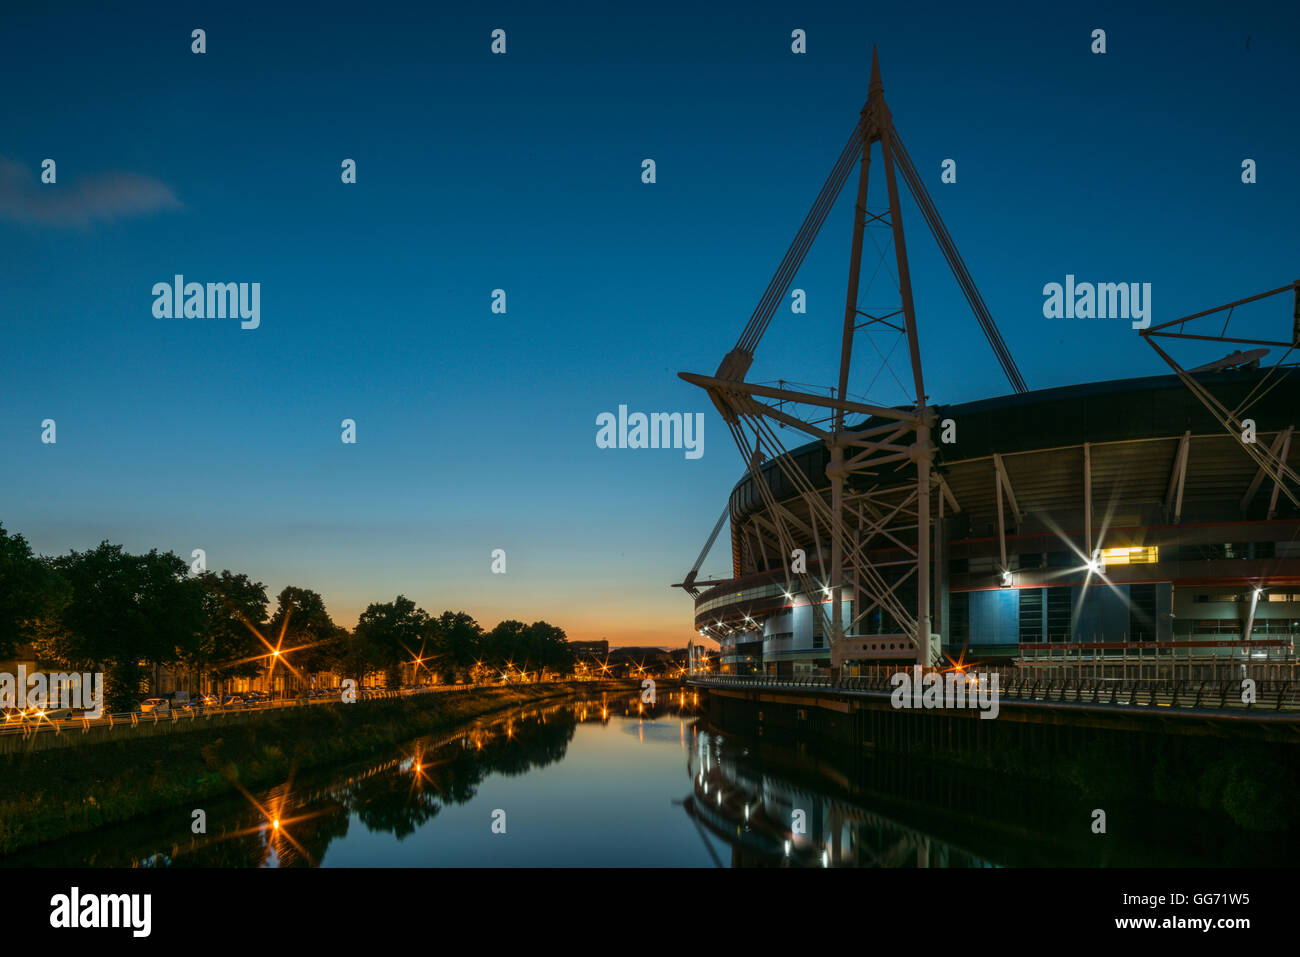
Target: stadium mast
[{"x": 852, "y": 452}]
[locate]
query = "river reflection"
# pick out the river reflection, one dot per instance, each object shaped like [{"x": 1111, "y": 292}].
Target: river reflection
[
  {"x": 612, "y": 781},
  {"x": 585, "y": 781},
  {"x": 769, "y": 818}
]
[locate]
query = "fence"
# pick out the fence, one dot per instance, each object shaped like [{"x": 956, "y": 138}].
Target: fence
[
  {"x": 1271, "y": 660},
  {"x": 41, "y": 734},
  {"x": 1270, "y": 696},
  {"x": 1205, "y": 660}
]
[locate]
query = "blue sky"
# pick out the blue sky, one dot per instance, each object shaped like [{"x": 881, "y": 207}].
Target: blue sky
[{"x": 522, "y": 172}]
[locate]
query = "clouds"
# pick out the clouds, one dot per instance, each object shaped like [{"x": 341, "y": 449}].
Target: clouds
[{"x": 98, "y": 198}]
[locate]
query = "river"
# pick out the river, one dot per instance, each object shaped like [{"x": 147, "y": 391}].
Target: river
[{"x": 610, "y": 781}]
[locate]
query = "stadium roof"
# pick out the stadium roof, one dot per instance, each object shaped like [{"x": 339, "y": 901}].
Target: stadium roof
[{"x": 1095, "y": 412}]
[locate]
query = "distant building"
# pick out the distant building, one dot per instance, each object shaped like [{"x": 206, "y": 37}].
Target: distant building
[{"x": 581, "y": 649}]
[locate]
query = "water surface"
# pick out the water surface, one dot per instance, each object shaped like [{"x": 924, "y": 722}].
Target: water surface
[{"x": 611, "y": 781}]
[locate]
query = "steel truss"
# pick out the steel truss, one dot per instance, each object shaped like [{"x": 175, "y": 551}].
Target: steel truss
[
  {"x": 1270, "y": 459},
  {"x": 881, "y": 519}
]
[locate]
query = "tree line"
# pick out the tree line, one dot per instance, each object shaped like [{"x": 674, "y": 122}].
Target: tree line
[{"x": 128, "y": 616}]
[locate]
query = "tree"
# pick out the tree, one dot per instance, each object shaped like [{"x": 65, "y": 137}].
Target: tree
[
  {"x": 233, "y": 605},
  {"x": 122, "y": 609},
  {"x": 30, "y": 593},
  {"x": 550, "y": 646},
  {"x": 505, "y": 645},
  {"x": 301, "y": 622},
  {"x": 101, "y": 622},
  {"x": 528, "y": 647},
  {"x": 454, "y": 639},
  {"x": 392, "y": 634},
  {"x": 107, "y": 610},
  {"x": 346, "y": 655},
  {"x": 171, "y": 603}
]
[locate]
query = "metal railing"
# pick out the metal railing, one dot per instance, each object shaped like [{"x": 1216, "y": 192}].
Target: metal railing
[
  {"x": 1266, "y": 695},
  {"x": 30, "y": 725}
]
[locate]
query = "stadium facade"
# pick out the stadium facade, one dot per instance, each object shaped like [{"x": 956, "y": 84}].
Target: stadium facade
[
  {"x": 1155, "y": 515},
  {"x": 1192, "y": 546}
]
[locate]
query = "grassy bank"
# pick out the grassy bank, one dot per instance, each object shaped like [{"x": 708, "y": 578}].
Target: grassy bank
[{"x": 51, "y": 794}]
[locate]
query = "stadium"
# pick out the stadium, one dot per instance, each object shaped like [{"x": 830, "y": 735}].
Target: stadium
[
  {"x": 1103, "y": 520},
  {"x": 1139, "y": 527}
]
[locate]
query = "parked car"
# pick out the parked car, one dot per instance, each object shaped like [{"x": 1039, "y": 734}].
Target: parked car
[
  {"x": 206, "y": 701},
  {"x": 232, "y": 701},
  {"x": 63, "y": 714},
  {"x": 255, "y": 699},
  {"x": 150, "y": 705}
]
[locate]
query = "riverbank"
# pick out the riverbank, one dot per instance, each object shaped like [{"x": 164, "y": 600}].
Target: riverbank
[
  {"x": 51, "y": 794},
  {"x": 1142, "y": 758}
]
